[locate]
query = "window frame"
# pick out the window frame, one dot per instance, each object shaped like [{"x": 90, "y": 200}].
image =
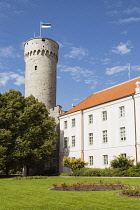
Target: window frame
[
  {"x": 65, "y": 142},
  {"x": 104, "y": 115},
  {"x": 105, "y": 136},
  {"x": 73, "y": 123},
  {"x": 122, "y": 134},
  {"x": 90, "y": 138},
  {"x": 73, "y": 141},
  {"x": 90, "y": 119},
  {"x": 122, "y": 111},
  {"x": 105, "y": 160},
  {"x": 65, "y": 124},
  {"x": 90, "y": 160}
]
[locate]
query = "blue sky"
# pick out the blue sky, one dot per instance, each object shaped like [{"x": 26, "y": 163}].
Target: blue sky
[{"x": 98, "y": 39}]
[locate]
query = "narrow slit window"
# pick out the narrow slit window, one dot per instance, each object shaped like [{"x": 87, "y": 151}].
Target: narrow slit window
[{"x": 35, "y": 67}]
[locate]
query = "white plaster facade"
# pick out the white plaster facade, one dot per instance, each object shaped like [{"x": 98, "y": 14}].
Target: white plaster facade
[{"x": 99, "y": 153}]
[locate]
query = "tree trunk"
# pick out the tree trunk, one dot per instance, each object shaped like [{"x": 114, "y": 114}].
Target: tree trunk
[
  {"x": 7, "y": 171},
  {"x": 27, "y": 172}
]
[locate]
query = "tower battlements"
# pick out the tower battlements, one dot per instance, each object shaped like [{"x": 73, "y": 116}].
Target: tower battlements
[{"x": 41, "y": 47}]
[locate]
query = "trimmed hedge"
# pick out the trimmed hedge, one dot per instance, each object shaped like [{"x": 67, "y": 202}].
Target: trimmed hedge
[{"x": 133, "y": 171}]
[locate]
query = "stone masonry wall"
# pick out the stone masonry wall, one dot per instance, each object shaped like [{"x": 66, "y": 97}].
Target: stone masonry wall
[{"x": 41, "y": 56}]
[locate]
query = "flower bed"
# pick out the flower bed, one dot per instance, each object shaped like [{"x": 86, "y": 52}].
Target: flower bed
[{"x": 84, "y": 186}]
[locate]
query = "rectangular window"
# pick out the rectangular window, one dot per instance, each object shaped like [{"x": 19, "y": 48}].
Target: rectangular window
[
  {"x": 104, "y": 115},
  {"x": 90, "y": 138},
  {"x": 105, "y": 159},
  {"x": 122, "y": 111},
  {"x": 35, "y": 67},
  {"x": 65, "y": 142},
  {"x": 122, "y": 134},
  {"x": 73, "y": 122},
  {"x": 105, "y": 139},
  {"x": 73, "y": 141},
  {"x": 90, "y": 119},
  {"x": 65, "y": 124},
  {"x": 91, "y": 160}
]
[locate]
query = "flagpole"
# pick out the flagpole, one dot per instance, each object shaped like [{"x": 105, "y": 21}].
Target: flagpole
[
  {"x": 40, "y": 28},
  {"x": 129, "y": 70}
]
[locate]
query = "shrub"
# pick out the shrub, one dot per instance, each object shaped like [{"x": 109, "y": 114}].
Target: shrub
[
  {"x": 108, "y": 172},
  {"x": 131, "y": 191},
  {"x": 74, "y": 164},
  {"x": 29, "y": 177},
  {"x": 122, "y": 162},
  {"x": 65, "y": 174},
  {"x": 88, "y": 172}
]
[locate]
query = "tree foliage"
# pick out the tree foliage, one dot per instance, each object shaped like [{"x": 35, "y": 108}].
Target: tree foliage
[
  {"x": 37, "y": 136},
  {"x": 11, "y": 107},
  {"x": 26, "y": 131},
  {"x": 73, "y": 163},
  {"x": 122, "y": 162}
]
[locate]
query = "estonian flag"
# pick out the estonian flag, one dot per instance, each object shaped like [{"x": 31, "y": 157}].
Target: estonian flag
[{"x": 45, "y": 25}]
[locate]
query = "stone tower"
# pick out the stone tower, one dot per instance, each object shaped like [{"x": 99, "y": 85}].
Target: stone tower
[{"x": 41, "y": 57}]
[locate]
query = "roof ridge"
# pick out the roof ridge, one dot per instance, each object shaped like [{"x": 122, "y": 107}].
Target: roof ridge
[{"x": 87, "y": 103}]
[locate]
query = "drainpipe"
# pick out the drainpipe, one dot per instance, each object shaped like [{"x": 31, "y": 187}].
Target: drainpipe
[
  {"x": 82, "y": 136},
  {"x": 135, "y": 128}
]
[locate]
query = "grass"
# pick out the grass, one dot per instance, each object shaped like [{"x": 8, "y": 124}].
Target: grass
[{"x": 33, "y": 195}]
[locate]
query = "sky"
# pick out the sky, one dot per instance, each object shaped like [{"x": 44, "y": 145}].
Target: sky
[{"x": 98, "y": 40}]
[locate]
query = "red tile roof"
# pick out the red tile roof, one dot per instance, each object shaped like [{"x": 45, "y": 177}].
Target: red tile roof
[{"x": 110, "y": 94}]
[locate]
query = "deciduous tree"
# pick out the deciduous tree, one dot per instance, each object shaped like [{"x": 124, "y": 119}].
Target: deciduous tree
[{"x": 27, "y": 132}]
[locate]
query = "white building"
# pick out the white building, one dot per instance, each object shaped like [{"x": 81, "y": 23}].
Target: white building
[{"x": 104, "y": 125}]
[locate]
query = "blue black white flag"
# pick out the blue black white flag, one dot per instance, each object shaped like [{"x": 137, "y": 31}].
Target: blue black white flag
[{"x": 45, "y": 25}]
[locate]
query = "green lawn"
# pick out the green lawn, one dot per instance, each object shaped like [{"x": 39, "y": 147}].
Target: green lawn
[{"x": 33, "y": 194}]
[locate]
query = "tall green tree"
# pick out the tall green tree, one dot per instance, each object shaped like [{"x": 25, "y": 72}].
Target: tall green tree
[
  {"x": 27, "y": 132},
  {"x": 37, "y": 135},
  {"x": 11, "y": 107}
]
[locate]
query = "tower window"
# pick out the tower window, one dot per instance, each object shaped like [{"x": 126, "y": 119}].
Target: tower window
[{"x": 35, "y": 67}]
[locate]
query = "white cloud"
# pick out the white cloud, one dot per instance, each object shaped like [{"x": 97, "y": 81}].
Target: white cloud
[
  {"x": 5, "y": 5},
  {"x": 77, "y": 53},
  {"x": 11, "y": 76},
  {"x": 75, "y": 99},
  {"x": 129, "y": 20},
  {"x": 8, "y": 51},
  {"x": 105, "y": 60},
  {"x": 135, "y": 68},
  {"x": 123, "y": 48},
  {"x": 132, "y": 10},
  {"x": 77, "y": 72},
  {"x": 80, "y": 74},
  {"x": 116, "y": 69},
  {"x": 124, "y": 32}
]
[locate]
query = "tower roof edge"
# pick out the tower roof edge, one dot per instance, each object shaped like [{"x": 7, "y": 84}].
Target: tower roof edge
[{"x": 42, "y": 39}]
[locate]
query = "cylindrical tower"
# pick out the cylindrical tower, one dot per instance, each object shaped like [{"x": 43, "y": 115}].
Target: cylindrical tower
[{"x": 41, "y": 56}]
